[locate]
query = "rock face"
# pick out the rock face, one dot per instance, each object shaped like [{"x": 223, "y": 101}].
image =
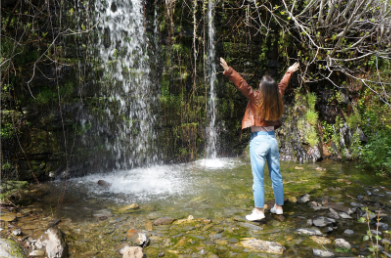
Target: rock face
[
  {"x": 10, "y": 249},
  {"x": 53, "y": 240},
  {"x": 322, "y": 253},
  {"x": 305, "y": 198},
  {"x": 263, "y": 246},
  {"x": 163, "y": 221},
  {"x": 132, "y": 252},
  {"x": 323, "y": 222}
]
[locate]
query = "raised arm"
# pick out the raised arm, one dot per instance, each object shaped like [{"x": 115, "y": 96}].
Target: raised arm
[
  {"x": 285, "y": 80},
  {"x": 238, "y": 81}
]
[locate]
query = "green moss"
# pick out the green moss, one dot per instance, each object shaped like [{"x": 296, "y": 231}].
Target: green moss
[{"x": 312, "y": 117}]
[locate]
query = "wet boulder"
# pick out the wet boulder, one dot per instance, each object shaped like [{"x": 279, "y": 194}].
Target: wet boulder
[
  {"x": 53, "y": 242},
  {"x": 322, "y": 253},
  {"x": 304, "y": 199},
  {"x": 323, "y": 221}
]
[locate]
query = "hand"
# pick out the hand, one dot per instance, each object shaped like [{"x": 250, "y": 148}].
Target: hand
[
  {"x": 223, "y": 64},
  {"x": 293, "y": 68}
]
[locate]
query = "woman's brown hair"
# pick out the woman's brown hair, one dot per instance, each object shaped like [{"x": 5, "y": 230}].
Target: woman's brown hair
[{"x": 270, "y": 106}]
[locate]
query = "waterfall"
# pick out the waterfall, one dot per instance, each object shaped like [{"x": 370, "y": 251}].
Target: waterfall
[
  {"x": 212, "y": 136},
  {"x": 125, "y": 87}
]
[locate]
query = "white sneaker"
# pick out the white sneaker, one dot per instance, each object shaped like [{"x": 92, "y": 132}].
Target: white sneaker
[
  {"x": 275, "y": 210},
  {"x": 255, "y": 215}
]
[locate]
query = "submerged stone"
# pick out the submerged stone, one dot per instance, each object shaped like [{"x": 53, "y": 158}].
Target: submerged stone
[
  {"x": 131, "y": 207},
  {"x": 163, "y": 221},
  {"x": 348, "y": 232},
  {"x": 320, "y": 240},
  {"x": 304, "y": 198},
  {"x": 323, "y": 222},
  {"x": 132, "y": 252},
  {"x": 263, "y": 246},
  {"x": 311, "y": 232},
  {"x": 342, "y": 243},
  {"x": 250, "y": 226},
  {"x": 322, "y": 253}
]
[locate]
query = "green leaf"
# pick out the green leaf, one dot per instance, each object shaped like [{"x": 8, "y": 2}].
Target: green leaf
[
  {"x": 362, "y": 220},
  {"x": 71, "y": 11}
]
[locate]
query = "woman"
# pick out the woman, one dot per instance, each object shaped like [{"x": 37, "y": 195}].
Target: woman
[{"x": 263, "y": 112}]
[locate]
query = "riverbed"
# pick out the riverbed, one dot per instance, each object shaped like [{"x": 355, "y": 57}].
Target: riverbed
[{"x": 217, "y": 194}]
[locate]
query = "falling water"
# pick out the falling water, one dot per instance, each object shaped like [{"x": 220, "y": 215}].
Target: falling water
[
  {"x": 126, "y": 87},
  {"x": 212, "y": 136}
]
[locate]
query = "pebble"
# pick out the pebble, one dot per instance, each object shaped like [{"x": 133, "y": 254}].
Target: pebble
[
  {"x": 311, "y": 232},
  {"x": 250, "y": 226},
  {"x": 132, "y": 252},
  {"x": 17, "y": 232},
  {"x": 132, "y": 207},
  {"x": 216, "y": 236},
  {"x": 263, "y": 246},
  {"x": 163, "y": 221},
  {"x": 322, "y": 253},
  {"x": 345, "y": 215},
  {"x": 320, "y": 240},
  {"x": 348, "y": 232},
  {"x": 382, "y": 225},
  {"x": 304, "y": 199},
  {"x": 37, "y": 253},
  {"x": 103, "y": 213},
  {"x": 342, "y": 243},
  {"x": 323, "y": 221},
  {"x": 161, "y": 254}
]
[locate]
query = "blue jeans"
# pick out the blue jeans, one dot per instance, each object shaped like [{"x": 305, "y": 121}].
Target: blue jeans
[{"x": 264, "y": 147}]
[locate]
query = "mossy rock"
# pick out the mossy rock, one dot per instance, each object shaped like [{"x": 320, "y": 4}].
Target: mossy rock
[{"x": 9, "y": 248}]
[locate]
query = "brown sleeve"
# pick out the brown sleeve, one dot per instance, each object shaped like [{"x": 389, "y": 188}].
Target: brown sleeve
[
  {"x": 284, "y": 82},
  {"x": 240, "y": 83}
]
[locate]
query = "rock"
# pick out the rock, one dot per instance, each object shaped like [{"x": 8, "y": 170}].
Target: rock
[
  {"x": 102, "y": 213},
  {"x": 250, "y": 226},
  {"x": 382, "y": 225},
  {"x": 10, "y": 249},
  {"x": 304, "y": 199},
  {"x": 320, "y": 169},
  {"x": 54, "y": 222},
  {"x": 342, "y": 243},
  {"x": 7, "y": 217},
  {"x": 216, "y": 236},
  {"x": 316, "y": 206},
  {"x": 137, "y": 237},
  {"x": 163, "y": 221},
  {"x": 333, "y": 214},
  {"x": 311, "y": 232},
  {"x": 328, "y": 230},
  {"x": 292, "y": 199},
  {"x": 348, "y": 232},
  {"x": 103, "y": 183},
  {"x": 323, "y": 221},
  {"x": 344, "y": 215},
  {"x": 161, "y": 254},
  {"x": 37, "y": 253},
  {"x": 309, "y": 222},
  {"x": 320, "y": 240},
  {"x": 299, "y": 168},
  {"x": 17, "y": 232},
  {"x": 314, "y": 153},
  {"x": 263, "y": 246},
  {"x": 52, "y": 239},
  {"x": 132, "y": 252},
  {"x": 148, "y": 225},
  {"x": 132, "y": 207},
  {"x": 339, "y": 207},
  {"x": 279, "y": 217},
  {"x": 322, "y": 253},
  {"x": 375, "y": 232}
]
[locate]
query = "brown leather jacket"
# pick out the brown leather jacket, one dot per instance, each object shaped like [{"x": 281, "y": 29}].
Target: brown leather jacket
[{"x": 250, "y": 116}]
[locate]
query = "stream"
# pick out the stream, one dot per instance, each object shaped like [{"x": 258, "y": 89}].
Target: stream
[{"x": 217, "y": 194}]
